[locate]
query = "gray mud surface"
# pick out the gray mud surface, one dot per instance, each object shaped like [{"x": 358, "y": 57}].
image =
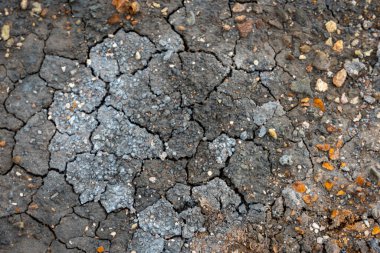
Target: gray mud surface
[{"x": 190, "y": 126}]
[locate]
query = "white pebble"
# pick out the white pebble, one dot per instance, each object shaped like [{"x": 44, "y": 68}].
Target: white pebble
[{"x": 321, "y": 85}]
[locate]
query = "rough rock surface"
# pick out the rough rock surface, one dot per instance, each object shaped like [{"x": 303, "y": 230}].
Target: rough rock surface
[{"x": 189, "y": 126}]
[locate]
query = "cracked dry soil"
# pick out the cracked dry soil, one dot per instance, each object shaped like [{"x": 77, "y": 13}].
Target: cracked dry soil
[{"x": 206, "y": 126}]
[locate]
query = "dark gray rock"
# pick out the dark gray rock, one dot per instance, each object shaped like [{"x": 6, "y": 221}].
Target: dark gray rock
[
  {"x": 354, "y": 68},
  {"x": 222, "y": 147},
  {"x": 187, "y": 136},
  {"x": 20, "y": 233},
  {"x": 292, "y": 199},
  {"x": 145, "y": 242},
  {"x": 7, "y": 144},
  {"x": 29, "y": 97},
  {"x": 215, "y": 195},
  {"x": 16, "y": 191},
  {"x": 301, "y": 86},
  {"x": 103, "y": 177},
  {"x": 53, "y": 200},
  {"x": 193, "y": 221},
  {"x": 31, "y": 148},
  {"x": 250, "y": 171},
  {"x": 71, "y": 44},
  {"x": 204, "y": 166},
  {"x": 123, "y": 53},
  {"x": 179, "y": 196},
  {"x": 160, "y": 219},
  {"x": 116, "y": 134},
  {"x": 161, "y": 175},
  {"x": 202, "y": 73}
]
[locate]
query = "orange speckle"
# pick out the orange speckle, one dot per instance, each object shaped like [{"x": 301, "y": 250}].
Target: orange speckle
[
  {"x": 328, "y": 185},
  {"x": 331, "y": 128},
  {"x": 299, "y": 187},
  {"x": 327, "y": 166},
  {"x": 299, "y": 230},
  {"x": 343, "y": 164},
  {"x": 360, "y": 180},
  {"x": 2, "y": 144},
  {"x": 339, "y": 143},
  {"x": 323, "y": 147},
  {"x": 100, "y": 249},
  {"x": 319, "y": 104},
  {"x": 308, "y": 199},
  {"x": 305, "y": 101},
  {"x": 334, "y": 213},
  {"x": 114, "y": 19},
  {"x": 376, "y": 230},
  {"x": 333, "y": 154},
  {"x": 341, "y": 193}
]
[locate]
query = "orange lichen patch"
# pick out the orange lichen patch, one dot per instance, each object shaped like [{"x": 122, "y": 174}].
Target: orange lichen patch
[
  {"x": 126, "y": 6},
  {"x": 319, "y": 104},
  {"x": 323, "y": 147},
  {"x": 100, "y": 249},
  {"x": 308, "y": 199},
  {"x": 338, "y": 46},
  {"x": 343, "y": 164},
  {"x": 340, "y": 217},
  {"x": 299, "y": 187},
  {"x": 339, "y": 143},
  {"x": 327, "y": 166},
  {"x": 376, "y": 230},
  {"x": 331, "y": 128},
  {"x": 360, "y": 180},
  {"x": 309, "y": 68},
  {"x": 334, "y": 213},
  {"x": 359, "y": 227},
  {"x": 299, "y": 230},
  {"x": 305, "y": 100},
  {"x": 328, "y": 185},
  {"x": 2, "y": 143},
  {"x": 333, "y": 154},
  {"x": 114, "y": 19},
  {"x": 341, "y": 193}
]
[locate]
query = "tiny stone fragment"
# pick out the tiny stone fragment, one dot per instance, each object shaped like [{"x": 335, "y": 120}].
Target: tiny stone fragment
[
  {"x": 340, "y": 78},
  {"x": 331, "y": 26},
  {"x": 321, "y": 85}
]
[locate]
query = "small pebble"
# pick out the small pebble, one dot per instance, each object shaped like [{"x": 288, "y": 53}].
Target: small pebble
[
  {"x": 37, "y": 8},
  {"x": 321, "y": 85},
  {"x": 340, "y": 78},
  {"x": 344, "y": 99},
  {"x": 240, "y": 18},
  {"x": 331, "y": 26},
  {"x": 24, "y": 4},
  {"x": 238, "y": 7},
  {"x": 354, "y": 101},
  {"x": 338, "y": 46},
  {"x": 5, "y": 32},
  {"x": 138, "y": 56},
  {"x": 329, "y": 42},
  {"x": 272, "y": 133}
]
